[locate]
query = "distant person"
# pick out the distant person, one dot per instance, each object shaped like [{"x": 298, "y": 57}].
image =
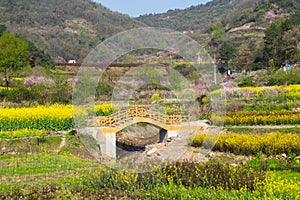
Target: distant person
[{"x": 228, "y": 72}]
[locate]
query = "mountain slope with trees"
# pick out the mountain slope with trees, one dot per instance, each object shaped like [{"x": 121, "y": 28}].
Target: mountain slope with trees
[
  {"x": 64, "y": 29},
  {"x": 243, "y": 34}
]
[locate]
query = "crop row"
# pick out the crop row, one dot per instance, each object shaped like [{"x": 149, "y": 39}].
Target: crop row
[
  {"x": 260, "y": 117},
  {"x": 22, "y": 133},
  {"x": 289, "y": 92},
  {"x": 251, "y": 144}
]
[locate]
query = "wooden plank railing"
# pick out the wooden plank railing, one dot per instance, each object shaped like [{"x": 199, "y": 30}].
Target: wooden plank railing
[{"x": 127, "y": 114}]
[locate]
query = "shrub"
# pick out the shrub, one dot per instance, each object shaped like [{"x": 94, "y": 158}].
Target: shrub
[
  {"x": 155, "y": 97},
  {"x": 105, "y": 109},
  {"x": 282, "y": 78},
  {"x": 206, "y": 175},
  {"x": 244, "y": 81},
  {"x": 213, "y": 175}
]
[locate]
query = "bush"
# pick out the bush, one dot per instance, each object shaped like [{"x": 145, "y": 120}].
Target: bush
[
  {"x": 213, "y": 175},
  {"x": 245, "y": 81},
  {"x": 267, "y": 107},
  {"x": 105, "y": 109},
  {"x": 283, "y": 78}
]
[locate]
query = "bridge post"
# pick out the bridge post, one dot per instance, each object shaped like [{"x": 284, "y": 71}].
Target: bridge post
[
  {"x": 172, "y": 134},
  {"x": 108, "y": 146},
  {"x": 163, "y": 135}
]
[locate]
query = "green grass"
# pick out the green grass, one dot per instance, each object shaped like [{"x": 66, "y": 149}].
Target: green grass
[
  {"x": 54, "y": 175},
  {"x": 268, "y": 107},
  {"x": 21, "y": 170},
  {"x": 30, "y": 145}
]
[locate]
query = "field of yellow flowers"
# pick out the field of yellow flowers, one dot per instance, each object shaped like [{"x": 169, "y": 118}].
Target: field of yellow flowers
[
  {"x": 263, "y": 117},
  {"x": 251, "y": 144},
  {"x": 56, "y": 117}
]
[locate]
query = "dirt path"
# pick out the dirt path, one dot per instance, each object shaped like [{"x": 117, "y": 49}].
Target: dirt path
[{"x": 62, "y": 144}]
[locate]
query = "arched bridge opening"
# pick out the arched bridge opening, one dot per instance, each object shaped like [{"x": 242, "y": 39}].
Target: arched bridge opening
[{"x": 109, "y": 126}]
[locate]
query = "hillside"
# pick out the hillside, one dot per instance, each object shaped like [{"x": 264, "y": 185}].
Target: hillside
[
  {"x": 65, "y": 29},
  {"x": 197, "y": 18},
  {"x": 233, "y": 13},
  {"x": 235, "y": 30}
]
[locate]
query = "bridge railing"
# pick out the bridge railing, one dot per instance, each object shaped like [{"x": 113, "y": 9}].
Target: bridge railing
[{"x": 127, "y": 114}]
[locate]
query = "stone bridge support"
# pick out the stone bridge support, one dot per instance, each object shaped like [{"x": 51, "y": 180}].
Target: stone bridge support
[
  {"x": 108, "y": 144},
  {"x": 165, "y": 134}
]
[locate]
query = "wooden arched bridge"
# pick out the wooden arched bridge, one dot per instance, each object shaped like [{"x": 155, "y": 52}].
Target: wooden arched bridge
[
  {"x": 106, "y": 127},
  {"x": 136, "y": 114}
]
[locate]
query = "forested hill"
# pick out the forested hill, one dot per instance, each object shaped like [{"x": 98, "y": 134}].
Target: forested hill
[
  {"x": 232, "y": 12},
  {"x": 243, "y": 34},
  {"x": 63, "y": 28},
  {"x": 198, "y": 17}
]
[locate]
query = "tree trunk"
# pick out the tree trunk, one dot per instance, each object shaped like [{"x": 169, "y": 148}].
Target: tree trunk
[
  {"x": 6, "y": 81},
  {"x": 6, "y": 78}
]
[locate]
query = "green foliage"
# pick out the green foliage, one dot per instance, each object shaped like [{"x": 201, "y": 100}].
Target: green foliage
[
  {"x": 218, "y": 32},
  {"x": 245, "y": 81},
  {"x": 267, "y": 107},
  {"x": 104, "y": 88},
  {"x": 280, "y": 163},
  {"x": 227, "y": 52},
  {"x": 155, "y": 97},
  {"x": 23, "y": 145},
  {"x": 199, "y": 18},
  {"x": 68, "y": 29},
  {"x": 2, "y": 29},
  {"x": 284, "y": 78},
  {"x": 37, "y": 57},
  {"x": 280, "y": 40},
  {"x": 13, "y": 54},
  {"x": 213, "y": 175},
  {"x": 39, "y": 124},
  {"x": 105, "y": 109},
  {"x": 89, "y": 180},
  {"x": 226, "y": 23},
  {"x": 60, "y": 92}
]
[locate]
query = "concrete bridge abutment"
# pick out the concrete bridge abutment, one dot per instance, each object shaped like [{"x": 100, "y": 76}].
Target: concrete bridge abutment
[{"x": 108, "y": 144}]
